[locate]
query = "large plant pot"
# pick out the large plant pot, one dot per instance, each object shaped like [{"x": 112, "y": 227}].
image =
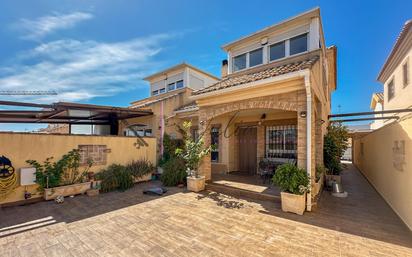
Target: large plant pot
[
  {"x": 144, "y": 178},
  {"x": 331, "y": 178},
  {"x": 196, "y": 184},
  {"x": 52, "y": 193},
  {"x": 293, "y": 203}
]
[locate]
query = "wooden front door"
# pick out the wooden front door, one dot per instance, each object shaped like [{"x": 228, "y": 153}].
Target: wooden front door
[{"x": 247, "y": 149}]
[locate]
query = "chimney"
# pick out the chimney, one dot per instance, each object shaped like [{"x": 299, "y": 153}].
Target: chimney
[{"x": 224, "y": 69}]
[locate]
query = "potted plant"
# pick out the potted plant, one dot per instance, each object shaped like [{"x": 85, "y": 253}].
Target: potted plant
[
  {"x": 62, "y": 178},
  {"x": 192, "y": 153},
  {"x": 334, "y": 147},
  {"x": 294, "y": 183}
]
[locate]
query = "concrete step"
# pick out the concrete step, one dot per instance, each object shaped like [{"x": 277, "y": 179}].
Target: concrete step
[{"x": 241, "y": 193}]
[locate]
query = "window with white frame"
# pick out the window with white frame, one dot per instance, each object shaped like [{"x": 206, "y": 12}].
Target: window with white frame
[
  {"x": 277, "y": 51},
  {"x": 155, "y": 92},
  {"x": 405, "y": 71},
  {"x": 281, "y": 142},
  {"x": 391, "y": 89},
  {"x": 256, "y": 57},
  {"x": 298, "y": 44},
  {"x": 179, "y": 84},
  {"x": 175, "y": 85},
  {"x": 239, "y": 62},
  {"x": 162, "y": 90},
  {"x": 171, "y": 86}
]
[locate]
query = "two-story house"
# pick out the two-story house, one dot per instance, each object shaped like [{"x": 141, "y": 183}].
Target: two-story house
[
  {"x": 272, "y": 102},
  {"x": 170, "y": 90}
]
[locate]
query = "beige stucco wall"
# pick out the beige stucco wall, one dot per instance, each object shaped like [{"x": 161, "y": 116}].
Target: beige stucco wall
[
  {"x": 19, "y": 147},
  {"x": 403, "y": 94},
  {"x": 388, "y": 168}
]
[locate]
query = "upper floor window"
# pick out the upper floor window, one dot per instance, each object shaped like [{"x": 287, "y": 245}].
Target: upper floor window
[
  {"x": 405, "y": 71},
  {"x": 299, "y": 44},
  {"x": 239, "y": 62},
  {"x": 162, "y": 90},
  {"x": 179, "y": 84},
  {"x": 277, "y": 51},
  {"x": 171, "y": 86},
  {"x": 391, "y": 90},
  {"x": 155, "y": 92},
  {"x": 256, "y": 57}
]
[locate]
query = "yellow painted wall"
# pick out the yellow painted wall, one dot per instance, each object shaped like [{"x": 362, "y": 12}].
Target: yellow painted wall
[
  {"x": 19, "y": 147},
  {"x": 388, "y": 169}
]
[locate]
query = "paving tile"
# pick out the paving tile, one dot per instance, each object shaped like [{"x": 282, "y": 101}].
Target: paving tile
[{"x": 189, "y": 224}]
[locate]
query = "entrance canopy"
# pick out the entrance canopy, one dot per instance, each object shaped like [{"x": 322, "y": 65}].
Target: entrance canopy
[{"x": 67, "y": 113}]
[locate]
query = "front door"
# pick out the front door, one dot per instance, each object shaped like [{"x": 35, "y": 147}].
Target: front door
[{"x": 247, "y": 149}]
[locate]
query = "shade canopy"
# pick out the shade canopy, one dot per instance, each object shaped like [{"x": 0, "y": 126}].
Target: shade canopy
[{"x": 68, "y": 113}]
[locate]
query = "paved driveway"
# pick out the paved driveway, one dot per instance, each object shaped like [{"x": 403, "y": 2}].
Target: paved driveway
[{"x": 208, "y": 224}]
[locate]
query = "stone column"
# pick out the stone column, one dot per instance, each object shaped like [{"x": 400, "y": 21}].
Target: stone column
[
  {"x": 205, "y": 168},
  {"x": 301, "y": 148}
]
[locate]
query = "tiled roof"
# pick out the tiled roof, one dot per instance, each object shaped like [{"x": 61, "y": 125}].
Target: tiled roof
[
  {"x": 264, "y": 72},
  {"x": 407, "y": 28},
  {"x": 380, "y": 96},
  {"x": 187, "y": 107}
]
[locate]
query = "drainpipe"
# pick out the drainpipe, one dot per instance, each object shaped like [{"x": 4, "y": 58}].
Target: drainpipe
[
  {"x": 308, "y": 137},
  {"x": 162, "y": 127}
]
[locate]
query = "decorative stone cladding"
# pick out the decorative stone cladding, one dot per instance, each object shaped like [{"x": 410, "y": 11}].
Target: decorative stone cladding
[
  {"x": 294, "y": 101},
  {"x": 95, "y": 153}
]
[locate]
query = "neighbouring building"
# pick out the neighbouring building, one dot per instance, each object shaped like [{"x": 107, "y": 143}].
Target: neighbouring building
[
  {"x": 272, "y": 101},
  {"x": 383, "y": 155},
  {"x": 396, "y": 73},
  {"x": 377, "y": 103}
]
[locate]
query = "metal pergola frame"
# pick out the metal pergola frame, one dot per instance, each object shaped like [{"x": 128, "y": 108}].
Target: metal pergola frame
[
  {"x": 367, "y": 113},
  {"x": 61, "y": 113}
]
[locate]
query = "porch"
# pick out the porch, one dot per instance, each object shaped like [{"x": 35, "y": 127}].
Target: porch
[{"x": 242, "y": 184}]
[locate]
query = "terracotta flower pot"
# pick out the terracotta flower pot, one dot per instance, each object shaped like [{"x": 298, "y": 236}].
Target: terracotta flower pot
[
  {"x": 196, "y": 184},
  {"x": 293, "y": 203}
]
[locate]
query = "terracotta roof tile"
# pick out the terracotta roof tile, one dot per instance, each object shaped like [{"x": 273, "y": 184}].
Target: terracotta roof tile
[
  {"x": 187, "y": 107},
  {"x": 267, "y": 71}
]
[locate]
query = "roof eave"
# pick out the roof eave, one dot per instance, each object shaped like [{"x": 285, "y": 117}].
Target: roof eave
[
  {"x": 406, "y": 28},
  {"x": 310, "y": 13}
]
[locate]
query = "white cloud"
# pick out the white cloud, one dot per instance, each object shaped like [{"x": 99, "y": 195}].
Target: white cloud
[
  {"x": 81, "y": 70},
  {"x": 42, "y": 26}
]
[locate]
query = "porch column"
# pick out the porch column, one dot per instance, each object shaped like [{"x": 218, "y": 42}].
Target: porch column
[
  {"x": 205, "y": 168},
  {"x": 301, "y": 148}
]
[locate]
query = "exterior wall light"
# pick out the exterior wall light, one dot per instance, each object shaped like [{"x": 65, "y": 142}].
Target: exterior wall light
[{"x": 302, "y": 114}]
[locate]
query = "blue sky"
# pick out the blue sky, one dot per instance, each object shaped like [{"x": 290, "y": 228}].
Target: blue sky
[{"x": 98, "y": 51}]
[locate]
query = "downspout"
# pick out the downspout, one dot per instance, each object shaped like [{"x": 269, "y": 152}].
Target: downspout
[
  {"x": 308, "y": 138},
  {"x": 162, "y": 127}
]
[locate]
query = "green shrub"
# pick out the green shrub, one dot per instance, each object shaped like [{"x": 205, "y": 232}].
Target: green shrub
[
  {"x": 291, "y": 179},
  {"x": 139, "y": 168},
  {"x": 335, "y": 145},
  {"x": 169, "y": 148},
  {"x": 115, "y": 177},
  {"x": 174, "y": 172},
  {"x": 65, "y": 171},
  {"x": 320, "y": 171}
]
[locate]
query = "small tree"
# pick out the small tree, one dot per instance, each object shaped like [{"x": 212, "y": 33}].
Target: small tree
[
  {"x": 335, "y": 145},
  {"x": 193, "y": 151}
]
